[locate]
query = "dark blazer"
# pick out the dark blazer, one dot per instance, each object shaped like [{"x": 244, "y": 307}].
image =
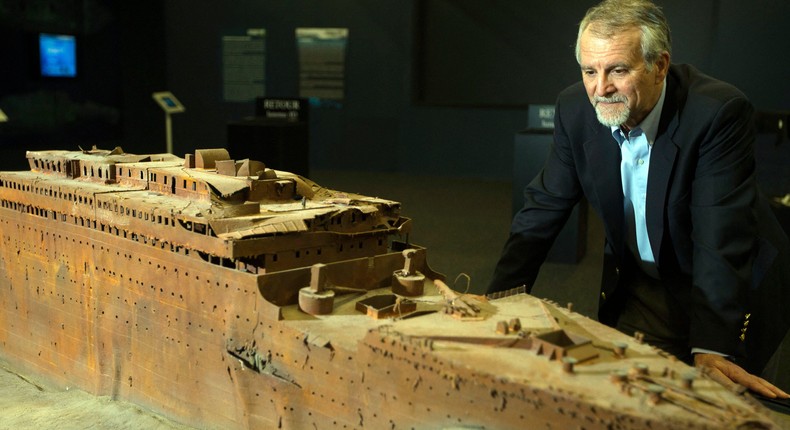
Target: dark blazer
[{"x": 718, "y": 247}]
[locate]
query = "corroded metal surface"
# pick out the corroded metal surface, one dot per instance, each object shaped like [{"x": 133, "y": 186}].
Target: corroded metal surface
[{"x": 175, "y": 284}]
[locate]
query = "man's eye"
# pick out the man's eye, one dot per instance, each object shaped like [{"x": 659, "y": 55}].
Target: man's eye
[
  {"x": 588, "y": 72},
  {"x": 619, "y": 71}
]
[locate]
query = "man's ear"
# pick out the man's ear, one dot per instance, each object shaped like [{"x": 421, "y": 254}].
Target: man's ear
[{"x": 662, "y": 66}]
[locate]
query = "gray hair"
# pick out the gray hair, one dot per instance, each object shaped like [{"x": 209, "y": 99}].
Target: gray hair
[{"x": 612, "y": 16}]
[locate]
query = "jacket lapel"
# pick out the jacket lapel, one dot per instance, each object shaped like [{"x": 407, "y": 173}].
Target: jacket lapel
[{"x": 662, "y": 162}]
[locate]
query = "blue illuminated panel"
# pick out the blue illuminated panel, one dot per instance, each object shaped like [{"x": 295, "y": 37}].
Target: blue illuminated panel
[{"x": 58, "y": 55}]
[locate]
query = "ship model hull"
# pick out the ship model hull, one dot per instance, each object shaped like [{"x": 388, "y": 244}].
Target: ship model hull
[{"x": 195, "y": 313}]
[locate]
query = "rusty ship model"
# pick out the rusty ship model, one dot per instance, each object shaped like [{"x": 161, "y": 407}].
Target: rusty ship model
[{"x": 224, "y": 294}]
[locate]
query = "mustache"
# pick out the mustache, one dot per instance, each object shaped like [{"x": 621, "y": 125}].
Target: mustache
[{"x": 616, "y": 98}]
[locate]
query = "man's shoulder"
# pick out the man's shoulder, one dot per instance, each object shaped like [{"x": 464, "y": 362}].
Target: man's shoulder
[
  {"x": 574, "y": 93},
  {"x": 573, "y": 100},
  {"x": 694, "y": 84},
  {"x": 699, "y": 101}
]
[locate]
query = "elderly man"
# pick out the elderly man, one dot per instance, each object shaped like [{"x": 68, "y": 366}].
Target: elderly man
[{"x": 694, "y": 258}]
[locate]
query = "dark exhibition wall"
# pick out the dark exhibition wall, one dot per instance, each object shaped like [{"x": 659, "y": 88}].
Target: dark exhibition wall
[
  {"x": 431, "y": 86},
  {"x": 119, "y": 60}
]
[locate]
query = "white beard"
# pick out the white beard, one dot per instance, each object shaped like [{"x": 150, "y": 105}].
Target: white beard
[{"x": 612, "y": 117}]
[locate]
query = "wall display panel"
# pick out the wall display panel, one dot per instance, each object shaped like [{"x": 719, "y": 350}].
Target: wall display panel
[
  {"x": 57, "y": 55},
  {"x": 322, "y": 62},
  {"x": 244, "y": 66}
]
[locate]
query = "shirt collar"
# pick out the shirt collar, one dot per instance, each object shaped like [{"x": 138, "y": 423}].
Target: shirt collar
[{"x": 649, "y": 125}]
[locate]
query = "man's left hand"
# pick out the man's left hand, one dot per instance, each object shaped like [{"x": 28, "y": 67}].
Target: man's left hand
[{"x": 729, "y": 374}]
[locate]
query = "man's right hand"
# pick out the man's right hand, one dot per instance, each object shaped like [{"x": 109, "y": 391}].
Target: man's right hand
[{"x": 730, "y": 375}]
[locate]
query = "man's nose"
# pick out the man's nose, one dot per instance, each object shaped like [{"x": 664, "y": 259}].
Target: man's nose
[{"x": 603, "y": 86}]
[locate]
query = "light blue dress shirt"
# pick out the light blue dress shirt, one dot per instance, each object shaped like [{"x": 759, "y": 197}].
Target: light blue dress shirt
[{"x": 635, "y": 148}]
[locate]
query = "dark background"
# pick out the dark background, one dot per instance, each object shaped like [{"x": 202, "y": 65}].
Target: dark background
[
  {"x": 435, "y": 92},
  {"x": 432, "y": 86}
]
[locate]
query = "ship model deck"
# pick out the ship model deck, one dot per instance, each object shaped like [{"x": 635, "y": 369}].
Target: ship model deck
[{"x": 224, "y": 294}]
